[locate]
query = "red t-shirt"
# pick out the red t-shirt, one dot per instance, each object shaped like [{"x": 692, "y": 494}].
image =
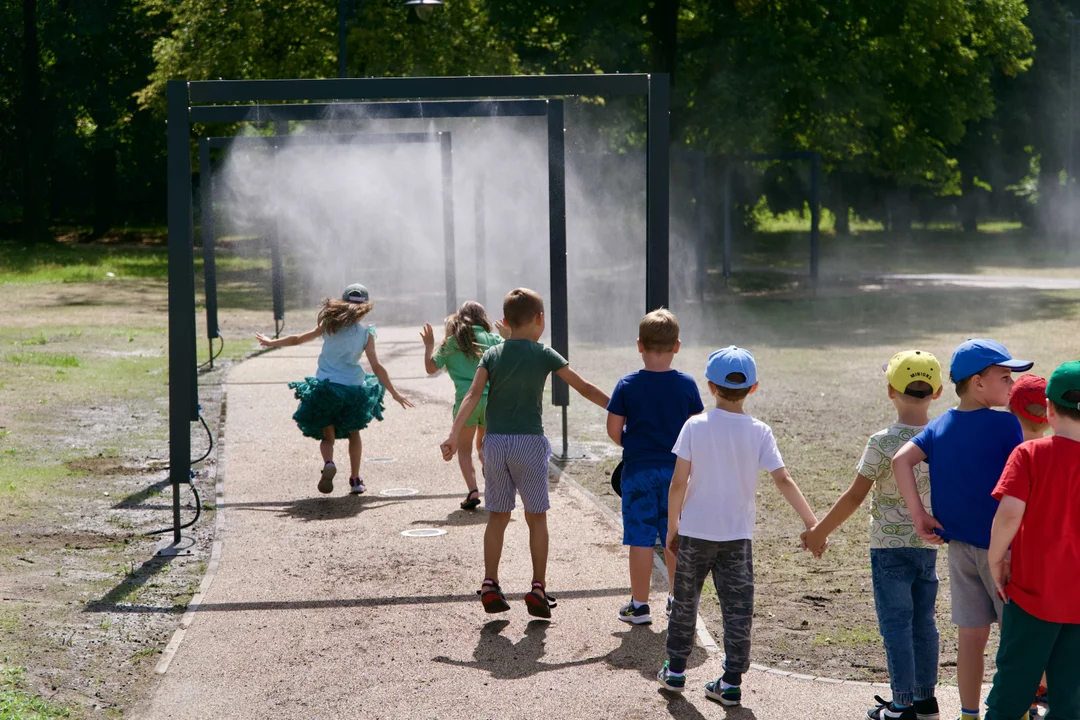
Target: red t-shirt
[{"x": 1045, "y": 474}]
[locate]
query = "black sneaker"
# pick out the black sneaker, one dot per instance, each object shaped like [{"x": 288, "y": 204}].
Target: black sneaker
[
  {"x": 927, "y": 709},
  {"x": 635, "y": 616},
  {"x": 887, "y": 711}
]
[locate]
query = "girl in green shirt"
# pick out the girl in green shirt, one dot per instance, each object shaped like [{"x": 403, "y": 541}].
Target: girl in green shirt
[{"x": 468, "y": 335}]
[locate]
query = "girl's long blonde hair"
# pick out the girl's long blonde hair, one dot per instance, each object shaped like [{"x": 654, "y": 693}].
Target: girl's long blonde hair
[
  {"x": 460, "y": 326},
  {"x": 337, "y": 314}
]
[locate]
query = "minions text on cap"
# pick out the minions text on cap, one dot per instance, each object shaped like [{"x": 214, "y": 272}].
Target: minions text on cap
[{"x": 911, "y": 366}]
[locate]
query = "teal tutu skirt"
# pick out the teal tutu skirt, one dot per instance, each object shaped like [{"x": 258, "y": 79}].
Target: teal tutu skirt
[{"x": 346, "y": 407}]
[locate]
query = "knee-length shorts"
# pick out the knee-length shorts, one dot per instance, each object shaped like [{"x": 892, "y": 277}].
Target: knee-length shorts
[{"x": 516, "y": 464}]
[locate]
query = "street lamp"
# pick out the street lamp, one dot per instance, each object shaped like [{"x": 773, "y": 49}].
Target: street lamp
[{"x": 423, "y": 9}]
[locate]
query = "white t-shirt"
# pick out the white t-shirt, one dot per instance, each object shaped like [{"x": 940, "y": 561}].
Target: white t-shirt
[{"x": 727, "y": 452}]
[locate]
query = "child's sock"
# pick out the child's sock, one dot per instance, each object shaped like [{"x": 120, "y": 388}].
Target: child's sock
[
  {"x": 966, "y": 714},
  {"x": 637, "y": 604},
  {"x": 898, "y": 706},
  {"x": 730, "y": 679},
  {"x": 676, "y": 667}
]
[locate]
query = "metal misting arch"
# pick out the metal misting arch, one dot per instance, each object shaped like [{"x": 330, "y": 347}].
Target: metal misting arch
[{"x": 187, "y": 101}]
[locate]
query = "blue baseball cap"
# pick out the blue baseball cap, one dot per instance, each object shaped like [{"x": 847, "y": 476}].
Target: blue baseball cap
[
  {"x": 731, "y": 360},
  {"x": 977, "y": 354}
]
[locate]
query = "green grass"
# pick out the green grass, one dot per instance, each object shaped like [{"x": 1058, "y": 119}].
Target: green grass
[
  {"x": 17, "y": 704},
  {"x": 849, "y": 638},
  {"x": 46, "y": 359}
]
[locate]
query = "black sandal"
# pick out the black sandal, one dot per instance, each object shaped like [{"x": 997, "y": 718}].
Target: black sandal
[
  {"x": 493, "y": 599},
  {"x": 540, "y": 603},
  {"x": 470, "y": 502}
]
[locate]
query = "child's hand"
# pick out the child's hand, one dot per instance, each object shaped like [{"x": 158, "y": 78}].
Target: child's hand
[
  {"x": 925, "y": 524},
  {"x": 265, "y": 341},
  {"x": 503, "y": 330},
  {"x": 1002, "y": 572},
  {"x": 673, "y": 540},
  {"x": 449, "y": 448},
  {"x": 402, "y": 400},
  {"x": 427, "y": 335},
  {"x": 814, "y": 541}
]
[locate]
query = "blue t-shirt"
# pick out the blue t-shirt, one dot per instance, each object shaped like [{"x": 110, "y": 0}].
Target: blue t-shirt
[
  {"x": 966, "y": 452},
  {"x": 339, "y": 361},
  {"x": 655, "y": 405}
]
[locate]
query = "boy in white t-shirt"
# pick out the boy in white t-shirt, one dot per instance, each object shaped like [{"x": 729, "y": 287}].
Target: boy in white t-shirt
[{"x": 711, "y": 512}]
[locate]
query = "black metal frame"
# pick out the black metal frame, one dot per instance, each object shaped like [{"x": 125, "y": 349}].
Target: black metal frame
[
  {"x": 182, "y": 96},
  {"x": 815, "y": 201},
  {"x": 275, "y": 142}
]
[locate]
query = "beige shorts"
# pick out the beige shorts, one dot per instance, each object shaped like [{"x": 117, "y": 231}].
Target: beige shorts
[{"x": 975, "y": 603}]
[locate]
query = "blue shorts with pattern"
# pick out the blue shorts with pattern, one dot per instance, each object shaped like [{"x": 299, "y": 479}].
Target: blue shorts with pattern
[{"x": 645, "y": 507}]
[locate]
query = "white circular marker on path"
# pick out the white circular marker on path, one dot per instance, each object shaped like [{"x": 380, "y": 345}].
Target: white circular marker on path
[
  {"x": 398, "y": 492},
  {"x": 423, "y": 532}
]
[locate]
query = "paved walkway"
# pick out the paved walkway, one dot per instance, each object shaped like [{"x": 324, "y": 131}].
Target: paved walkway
[{"x": 322, "y": 609}]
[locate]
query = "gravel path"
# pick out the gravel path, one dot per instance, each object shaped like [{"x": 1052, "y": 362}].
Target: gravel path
[{"x": 322, "y": 609}]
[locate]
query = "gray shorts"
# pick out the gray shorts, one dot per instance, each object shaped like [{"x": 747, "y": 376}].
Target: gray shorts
[
  {"x": 975, "y": 603},
  {"x": 516, "y": 464}
]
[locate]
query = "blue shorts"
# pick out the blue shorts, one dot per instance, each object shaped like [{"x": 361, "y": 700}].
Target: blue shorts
[{"x": 645, "y": 507}]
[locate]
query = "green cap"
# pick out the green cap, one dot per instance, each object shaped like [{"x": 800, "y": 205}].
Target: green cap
[
  {"x": 356, "y": 293},
  {"x": 1065, "y": 381}
]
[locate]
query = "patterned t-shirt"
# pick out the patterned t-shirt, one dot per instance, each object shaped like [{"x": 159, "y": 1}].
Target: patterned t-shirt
[{"x": 890, "y": 522}]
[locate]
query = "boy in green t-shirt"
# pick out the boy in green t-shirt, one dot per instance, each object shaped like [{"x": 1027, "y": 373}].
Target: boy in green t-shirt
[{"x": 515, "y": 448}]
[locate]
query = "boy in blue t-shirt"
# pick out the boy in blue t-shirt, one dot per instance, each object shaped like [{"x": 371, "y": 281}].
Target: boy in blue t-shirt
[
  {"x": 645, "y": 415},
  {"x": 966, "y": 450}
]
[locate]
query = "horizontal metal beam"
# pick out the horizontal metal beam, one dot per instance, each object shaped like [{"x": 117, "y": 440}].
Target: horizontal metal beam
[
  {"x": 508, "y": 86},
  {"x": 369, "y": 110},
  {"x": 276, "y": 141}
]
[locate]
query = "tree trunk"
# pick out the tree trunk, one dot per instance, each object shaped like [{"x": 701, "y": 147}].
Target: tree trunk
[
  {"x": 35, "y": 225},
  {"x": 969, "y": 202},
  {"x": 104, "y": 164}
]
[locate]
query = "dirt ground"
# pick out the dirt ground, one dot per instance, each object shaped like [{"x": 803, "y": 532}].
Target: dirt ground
[{"x": 823, "y": 392}]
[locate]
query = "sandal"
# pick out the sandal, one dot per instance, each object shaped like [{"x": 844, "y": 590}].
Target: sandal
[
  {"x": 471, "y": 501},
  {"x": 492, "y": 597},
  {"x": 540, "y": 603}
]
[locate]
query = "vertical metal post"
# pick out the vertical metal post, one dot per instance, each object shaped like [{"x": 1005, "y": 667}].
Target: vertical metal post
[
  {"x": 657, "y": 184},
  {"x": 449, "y": 249},
  {"x": 815, "y": 212},
  {"x": 182, "y": 388},
  {"x": 701, "y": 255},
  {"x": 1070, "y": 153},
  {"x": 559, "y": 317},
  {"x": 208, "y": 236},
  {"x": 341, "y": 38},
  {"x": 277, "y": 271},
  {"x": 728, "y": 169},
  {"x": 481, "y": 243}
]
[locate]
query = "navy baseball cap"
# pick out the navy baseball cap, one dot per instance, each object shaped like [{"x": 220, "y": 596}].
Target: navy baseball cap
[
  {"x": 731, "y": 360},
  {"x": 356, "y": 293},
  {"x": 977, "y": 354}
]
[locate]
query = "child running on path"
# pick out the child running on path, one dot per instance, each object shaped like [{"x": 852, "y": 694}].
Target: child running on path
[
  {"x": 341, "y": 399},
  {"x": 711, "y": 513},
  {"x": 647, "y": 410},
  {"x": 515, "y": 448},
  {"x": 966, "y": 449},
  {"x": 1041, "y": 623},
  {"x": 903, "y": 567},
  {"x": 468, "y": 336}
]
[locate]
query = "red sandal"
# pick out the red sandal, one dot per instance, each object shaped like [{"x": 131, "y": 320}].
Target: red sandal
[
  {"x": 540, "y": 603},
  {"x": 492, "y": 597}
]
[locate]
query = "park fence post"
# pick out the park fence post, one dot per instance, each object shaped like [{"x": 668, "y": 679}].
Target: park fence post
[
  {"x": 560, "y": 331},
  {"x": 480, "y": 235},
  {"x": 700, "y": 236},
  {"x": 657, "y": 188},
  {"x": 207, "y": 231},
  {"x": 449, "y": 250}
]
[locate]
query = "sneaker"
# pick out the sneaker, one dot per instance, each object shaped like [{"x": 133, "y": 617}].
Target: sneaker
[
  {"x": 714, "y": 691},
  {"x": 635, "y": 616},
  {"x": 667, "y": 610},
  {"x": 356, "y": 486},
  {"x": 927, "y": 709},
  {"x": 674, "y": 683},
  {"x": 326, "y": 480},
  {"x": 887, "y": 711}
]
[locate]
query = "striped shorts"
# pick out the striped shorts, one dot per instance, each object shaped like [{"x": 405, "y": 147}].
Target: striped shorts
[{"x": 516, "y": 463}]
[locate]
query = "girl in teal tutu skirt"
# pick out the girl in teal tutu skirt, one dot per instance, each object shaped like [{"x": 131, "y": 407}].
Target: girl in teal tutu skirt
[{"x": 342, "y": 398}]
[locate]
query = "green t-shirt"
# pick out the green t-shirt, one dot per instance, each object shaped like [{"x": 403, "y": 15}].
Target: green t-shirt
[
  {"x": 461, "y": 367},
  {"x": 517, "y": 371}
]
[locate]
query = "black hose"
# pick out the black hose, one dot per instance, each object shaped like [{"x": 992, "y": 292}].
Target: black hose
[
  {"x": 198, "y": 503},
  {"x": 215, "y": 356}
]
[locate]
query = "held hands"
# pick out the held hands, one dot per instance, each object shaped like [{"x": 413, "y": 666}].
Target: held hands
[
  {"x": 504, "y": 331},
  {"x": 815, "y": 541},
  {"x": 427, "y": 335},
  {"x": 925, "y": 524},
  {"x": 265, "y": 341},
  {"x": 449, "y": 448}
]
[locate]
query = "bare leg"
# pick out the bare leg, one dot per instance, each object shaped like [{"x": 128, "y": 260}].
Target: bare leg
[
  {"x": 969, "y": 665},
  {"x": 479, "y": 447},
  {"x": 669, "y": 560},
  {"x": 538, "y": 544},
  {"x": 641, "y": 565},
  {"x": 465, "y": 458},
  {"x": 356, "y": 450},
  {"x": 493, "y": 542},
  {"x": 326, "y": 445}
]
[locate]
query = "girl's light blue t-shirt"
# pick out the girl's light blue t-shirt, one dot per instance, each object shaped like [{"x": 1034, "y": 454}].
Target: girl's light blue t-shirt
[{"x": 339, "y": 361}]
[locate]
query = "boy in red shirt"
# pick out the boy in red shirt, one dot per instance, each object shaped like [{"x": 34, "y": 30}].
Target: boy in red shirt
[{"x": 1041, "y": 624}]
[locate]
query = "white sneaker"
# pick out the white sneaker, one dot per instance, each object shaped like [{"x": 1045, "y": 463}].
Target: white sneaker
[{"x": 356, "y": 486}]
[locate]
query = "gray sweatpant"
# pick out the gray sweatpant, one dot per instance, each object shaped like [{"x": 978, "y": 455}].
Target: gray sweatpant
[{"x": 732, "y": 566}]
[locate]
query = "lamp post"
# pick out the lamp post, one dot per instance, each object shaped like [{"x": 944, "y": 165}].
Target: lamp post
[{"x": 423, "y": 9}]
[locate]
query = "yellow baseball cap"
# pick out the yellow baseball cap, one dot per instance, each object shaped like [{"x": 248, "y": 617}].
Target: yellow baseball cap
[{"x": 913, "y": 366}]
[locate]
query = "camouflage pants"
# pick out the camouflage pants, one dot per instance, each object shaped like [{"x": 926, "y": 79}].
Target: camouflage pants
[{"x": 732, "y": 566}]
